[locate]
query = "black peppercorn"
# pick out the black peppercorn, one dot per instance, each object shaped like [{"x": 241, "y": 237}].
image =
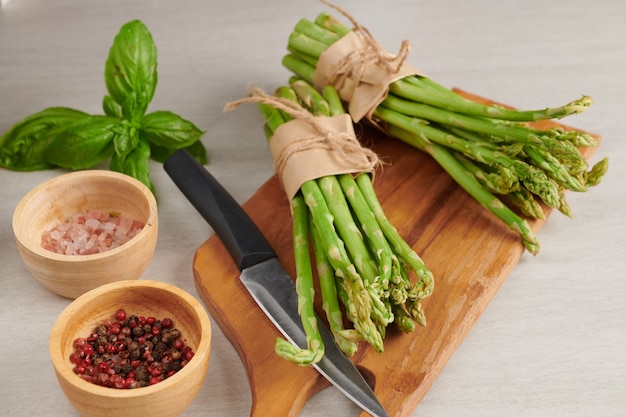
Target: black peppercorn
[
  {"x": 141, "y": 373},
  {"x": 101, "y": 330}
]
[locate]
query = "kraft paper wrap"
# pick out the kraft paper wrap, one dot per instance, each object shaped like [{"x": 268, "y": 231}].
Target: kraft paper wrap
[
  {"x": 305, "y": 151},
  {"x": 353, "y": 66}
]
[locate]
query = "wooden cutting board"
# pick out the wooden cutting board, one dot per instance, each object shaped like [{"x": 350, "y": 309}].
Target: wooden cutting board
[{"x": 469, "y": 251}]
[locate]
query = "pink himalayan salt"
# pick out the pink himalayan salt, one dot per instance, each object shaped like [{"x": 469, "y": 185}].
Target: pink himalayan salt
[{"x": 90, "y": 232}]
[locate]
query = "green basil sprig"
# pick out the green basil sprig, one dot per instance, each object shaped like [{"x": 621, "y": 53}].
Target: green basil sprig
[{"x": 126, "y": 134}]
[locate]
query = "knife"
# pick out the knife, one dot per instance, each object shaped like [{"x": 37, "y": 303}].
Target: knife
[{"x": 268, "y": 283}]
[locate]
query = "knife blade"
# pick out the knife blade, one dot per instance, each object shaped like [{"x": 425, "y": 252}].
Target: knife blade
[{"x": 266, "y": 280}]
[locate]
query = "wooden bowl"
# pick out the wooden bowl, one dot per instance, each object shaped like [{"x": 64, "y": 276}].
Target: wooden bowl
[
  {"x": 141, "y": 297},
  {"x": 56, "y": 200}
]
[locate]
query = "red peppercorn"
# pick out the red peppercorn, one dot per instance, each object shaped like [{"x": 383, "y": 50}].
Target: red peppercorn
[
  {"x": 179, "y": 344},
  {"x": 167, "y": 323},
  {"x": 115, "y": 328},
  {"x": 120, "y": 315},
  {"x": 132, "y": 322},
  {"x": 88, "y": 350},
  {"x": 128, "y": 382},
  {"x": 79, "y": 342},
  {"x": 90, "y": 370},
  {"x": 103, "y": 379},
  {"x": 151, "y": 320}
]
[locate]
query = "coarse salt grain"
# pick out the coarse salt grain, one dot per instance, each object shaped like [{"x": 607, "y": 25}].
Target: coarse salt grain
[{"x": 92, "y": 231}]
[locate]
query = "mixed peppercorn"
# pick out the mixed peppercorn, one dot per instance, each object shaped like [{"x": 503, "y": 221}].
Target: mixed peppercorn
[{"x": 130, "y": 352}]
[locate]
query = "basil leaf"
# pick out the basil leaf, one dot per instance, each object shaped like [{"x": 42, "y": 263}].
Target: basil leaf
[
  {"x": 125, "y": 141},
  {"x": 160, "y": 153},
  {"x": 135, "y": 163},
  {"x": 167, "y": 129},
  {"x": 23, "y": 147},
  {"x": 196, "y": 149},
  {"x": 111, "y": 107},
  {"x": 85, "y": 143},
  {"x": 131, "y": 69}
]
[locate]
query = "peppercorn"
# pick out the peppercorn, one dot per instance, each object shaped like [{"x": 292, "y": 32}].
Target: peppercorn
[
  {"x": 120, "y": 315},
  {"x": 127, "y": 368},
  {"x": 130, "y": 352},
  {"x": 141, "y": 373},
  {"x": 101, "y": 330},
  {"x": 132, "y": 321},
  {"x": 159, "y": 348},
  {"x": 176, "y": 366},
  {"x": 169, "y": 335}
]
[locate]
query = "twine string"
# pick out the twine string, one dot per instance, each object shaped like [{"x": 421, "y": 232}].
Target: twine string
[
  {"x": 354, "y": 65},
  {"x": 341, "y": 144}
]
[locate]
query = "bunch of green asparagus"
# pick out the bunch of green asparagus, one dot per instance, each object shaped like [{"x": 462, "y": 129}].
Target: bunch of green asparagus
[
  {"x": 364, "y": 267},
  {"x": 489, "y": 150}
]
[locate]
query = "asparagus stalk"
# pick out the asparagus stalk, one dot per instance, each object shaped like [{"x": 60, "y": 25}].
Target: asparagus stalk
[
  {"x": 357, "y": 298},
  {"x": 487, "y": 148},
  {"x": 358, "y": 305},
  {"x": 346, "y": 339},
  {"x": 306, "y": 292},
  {"x": 470, "y": 184},
  {"x": 363, "y": 265}
]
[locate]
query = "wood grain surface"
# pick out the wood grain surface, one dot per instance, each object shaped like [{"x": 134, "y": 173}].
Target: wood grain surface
[{"x": 469, "y": 251}]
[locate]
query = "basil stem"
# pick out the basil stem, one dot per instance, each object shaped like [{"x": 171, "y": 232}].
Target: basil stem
[{"x": 135, "y": 163}]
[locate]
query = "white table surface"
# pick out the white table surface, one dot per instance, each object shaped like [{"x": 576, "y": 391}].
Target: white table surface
[{"x": 551, "y": 343}]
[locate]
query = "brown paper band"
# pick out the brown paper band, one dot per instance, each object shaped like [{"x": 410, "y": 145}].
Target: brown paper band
[
  {"x": 305, "y": 151},
  {"x": 361, "y": 70},
  {"x": 310, "y": 147}
]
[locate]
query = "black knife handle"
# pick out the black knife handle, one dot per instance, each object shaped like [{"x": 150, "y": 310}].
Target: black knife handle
[{"x": 240, "y": 235}]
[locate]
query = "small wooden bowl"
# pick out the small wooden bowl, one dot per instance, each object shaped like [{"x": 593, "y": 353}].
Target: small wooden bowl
[
  {"x": 56, "y": 200},
  {"x": 140, "y": 297}
]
